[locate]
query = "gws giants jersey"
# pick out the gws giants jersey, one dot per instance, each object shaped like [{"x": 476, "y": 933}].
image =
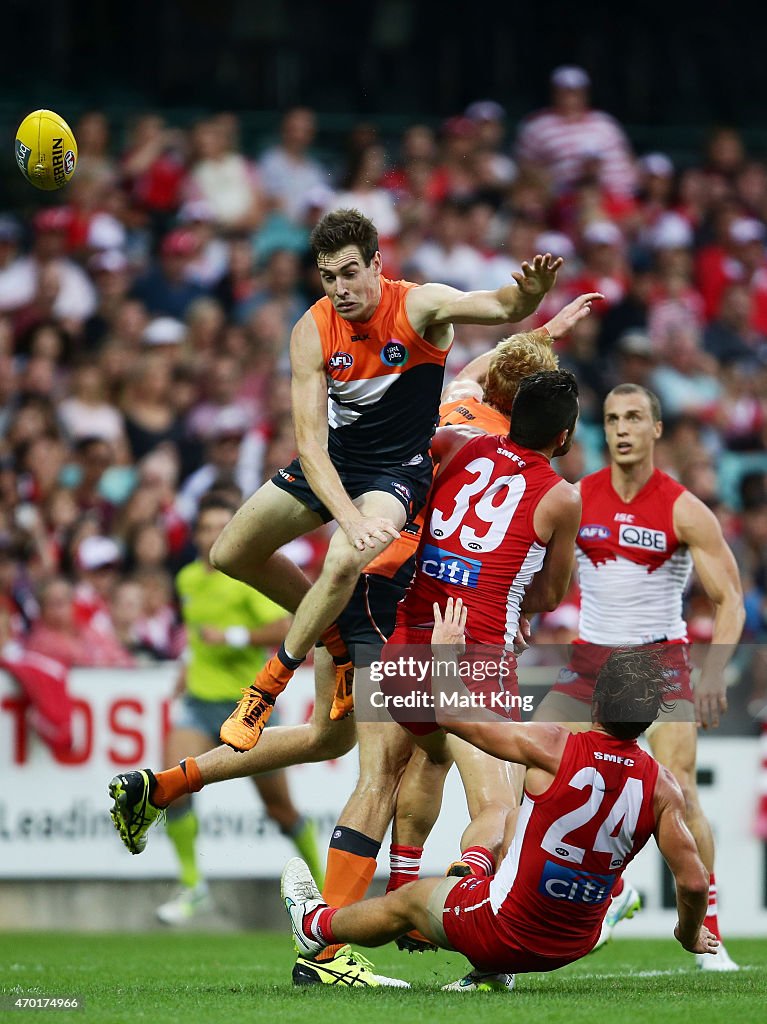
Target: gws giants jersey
[
  {"x": 573, "y": 842},
  {"x": 384, "y": 383},
  {"x": 632, "y": 569},
  {"x": 478, "y": 542}
]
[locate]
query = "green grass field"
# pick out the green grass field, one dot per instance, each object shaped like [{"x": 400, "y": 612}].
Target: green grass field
[{"x": 194, "y": 978}]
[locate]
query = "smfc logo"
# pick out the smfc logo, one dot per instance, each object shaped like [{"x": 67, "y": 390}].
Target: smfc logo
[
  {"x": 450, "y": 568},
  {"x": 594, "y": 532},
  {"x": 639, "y": 537},
  {"x": 563, "y": 883},
  {"x": 340, "y": 361}
]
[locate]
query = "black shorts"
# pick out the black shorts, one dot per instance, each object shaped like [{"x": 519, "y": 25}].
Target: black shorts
[
  {"x": 409, "y": 485},
  {"x": 367, "y": 621}
]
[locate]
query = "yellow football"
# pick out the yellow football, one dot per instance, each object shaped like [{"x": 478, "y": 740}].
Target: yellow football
[{"x": 46, "y": 151}]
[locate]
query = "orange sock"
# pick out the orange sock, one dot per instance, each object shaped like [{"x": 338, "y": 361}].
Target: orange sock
[
  {"x": 273, "y": 677},
  {"x": 350, "y": 869},
  {"x": 176, "y": 782},
  {"x": 334, "y": 643}
]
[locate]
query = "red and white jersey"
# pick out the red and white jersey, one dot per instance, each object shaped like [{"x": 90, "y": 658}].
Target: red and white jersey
[
  {"x": 478, "y": 542},
  {"x": 572, "y": 844},
  {"x": 632, "y": 568}
]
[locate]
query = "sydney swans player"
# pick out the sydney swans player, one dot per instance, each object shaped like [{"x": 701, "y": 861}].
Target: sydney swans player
[
  {"x": 641, "y": 534},
  {"x": 592, "y": 801}
]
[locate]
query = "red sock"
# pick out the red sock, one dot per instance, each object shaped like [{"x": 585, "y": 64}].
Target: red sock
[
  {"x": 318, "y": 924},
  {"x": 618, "y": 887},
  {"x": 404, "y": 865},
  {"x": 480, "y": 860},
  {"x": 176, "y": 782},
  {"x": 711, "y": 920}
]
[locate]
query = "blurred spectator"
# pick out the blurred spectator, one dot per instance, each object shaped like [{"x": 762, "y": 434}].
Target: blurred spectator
[
  {"x": 149, "y": 417},
  {"x": 361, "y": 189},
  {"x": 209, "y": 264},
  {"x": 47, "y": 282},
  {"x": 287, "y": 170},
  {"x": 159, "y": 626},
  {"x": 447, "y": 258},
  {"x": 98, "y": 562},
  {"x": 223, "y": 177},
  {"x": 729, "y": 337},
  {"x": 153, "y": 166},
  {"x": 167, "y": 288},
  {"x": 86, "y": 413},
  {"x": 58, "y": 636},
  {"x": 280, "y": 285},
  {"x": 686, "y": 382},
  {"x": 560, "y": 138},
  {"x": 222, "y": 460}
]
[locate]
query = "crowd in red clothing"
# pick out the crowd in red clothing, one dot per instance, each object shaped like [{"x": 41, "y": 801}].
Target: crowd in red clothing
[{"x": 145, "y": 319}]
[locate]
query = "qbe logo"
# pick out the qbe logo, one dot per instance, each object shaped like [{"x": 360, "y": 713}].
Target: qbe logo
[
  {"x": 340, "y": 361},
  {"x": 449, "y": 568},
  {"x": 593, "y": 531},
  {"x": 641, "y": 537}
]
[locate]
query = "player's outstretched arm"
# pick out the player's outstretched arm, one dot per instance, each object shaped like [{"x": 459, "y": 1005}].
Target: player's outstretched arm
[
  {"x": 552, "y": 331},
  {"x": 697, "y": 527},
  {"x": 534, "y": 744},
  {"x": 432, "y": 304},
  {"x": 680, "y": 852},
  {"x": 310, "y": 421}
]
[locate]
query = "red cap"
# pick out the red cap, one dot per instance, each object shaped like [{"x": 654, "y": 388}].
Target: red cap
[
  {"x": 179, "y": 242},
  {"x": 52, "y": 218}
]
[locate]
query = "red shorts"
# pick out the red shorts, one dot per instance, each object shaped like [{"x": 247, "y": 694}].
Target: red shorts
[
  {"x": 472, "y": 928},
  {"x": 578, "y": 678},
  {"x": 483, "y": 686}
]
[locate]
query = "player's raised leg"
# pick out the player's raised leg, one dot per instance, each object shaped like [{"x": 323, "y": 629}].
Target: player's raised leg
[{"x": 319, "y": 609}]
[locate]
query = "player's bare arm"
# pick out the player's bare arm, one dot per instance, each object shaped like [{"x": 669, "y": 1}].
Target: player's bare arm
[
  {"x": 310, "y": 421},
  {"x": 697, "y": 527},
  {"x": 557, "y": 520},
  {"x": 552, "y": 331},
  {"x": 433, "y": 305},
  {"x": 448, "y": 441},
  {"x": 680, "y": 852},
  {"x": 534, "y": 744}
]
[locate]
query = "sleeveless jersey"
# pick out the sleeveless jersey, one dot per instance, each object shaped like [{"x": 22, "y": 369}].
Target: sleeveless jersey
[
  {"x": 384, "y": 383},
  {"x": 573, "y": 842},
  {"x": 467, "y": 412},
  {"x": 632, "y": 569},
  {"x": 478, "y": 541}
]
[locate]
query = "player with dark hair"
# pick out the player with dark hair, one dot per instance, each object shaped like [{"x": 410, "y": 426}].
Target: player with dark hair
[
  {"x": 641, "y": 535},
  {"x": 592, "y": 801},
  {"x": 367, "y": 366}
]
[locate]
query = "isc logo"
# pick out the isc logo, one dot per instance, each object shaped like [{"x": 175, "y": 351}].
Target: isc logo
[
  {"x": 340, "y": 361},
  {"x": 563, "y": 883},
  {"x": 450, "y": 568},
  {"x": 639, "y": 537},
  {"x": 594, "y": 532}
]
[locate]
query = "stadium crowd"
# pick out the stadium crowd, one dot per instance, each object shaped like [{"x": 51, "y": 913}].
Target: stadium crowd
[{"x": 145, "y": 316}]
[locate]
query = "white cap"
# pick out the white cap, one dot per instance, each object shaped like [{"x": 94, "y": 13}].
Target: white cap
[
  {"x": 555, "y": 242},
  {"x": 602, "y": 232},
  {"x": 570, "y": 76},
  {"x": 113, "y": 260},
  {"x": 319, "y": 197},
  {"x": 657, "y": 164},
  {"x": 164, "y": 330},
  {"x": 747, "y": 229},
  {"x": 105, "y": 232},
  {"x": 485, "y": 110},
  {"x": 672, "y": 231},
  {"x": 231, "y": 421},
  {"x": 95, "y": 552}
]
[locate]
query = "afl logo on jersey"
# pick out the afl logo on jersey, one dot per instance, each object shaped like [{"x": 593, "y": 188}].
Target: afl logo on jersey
[
  {"x": 640, "y": 537},
  {"x": 340, "y": 361},
  {"x": 594, "y": 532},
  {"x": 394, "y": 354}
]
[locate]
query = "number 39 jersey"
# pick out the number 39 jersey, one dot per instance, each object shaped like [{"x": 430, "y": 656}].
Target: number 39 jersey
[
  {"x": 631, "y": 566},
  {"x": 572, "y": 844},
  {"x": 478, "y": 541}
]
